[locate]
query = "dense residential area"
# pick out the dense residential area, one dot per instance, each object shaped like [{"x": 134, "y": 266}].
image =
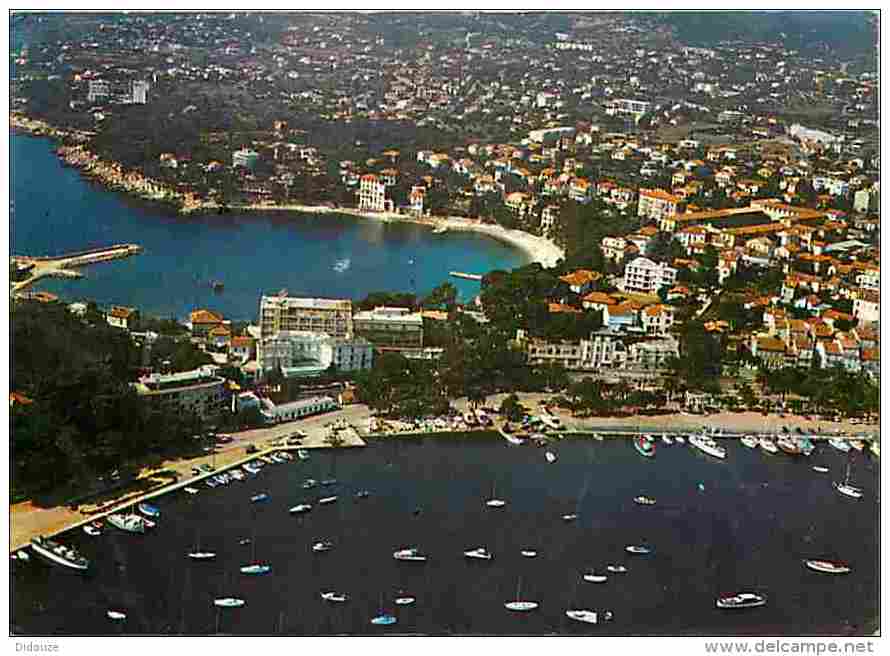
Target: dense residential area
[{"x": 716, "y": 197}]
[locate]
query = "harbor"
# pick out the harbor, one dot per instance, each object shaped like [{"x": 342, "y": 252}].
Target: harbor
[{"x": 431, "y": 493}]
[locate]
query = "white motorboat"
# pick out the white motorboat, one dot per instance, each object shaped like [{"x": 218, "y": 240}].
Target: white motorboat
[
  {"x": 588, "y": 616},
  {"x": 411, "y": 554},
  {"x": 680, "y": 439},
  {"x": 616, "y": 569},
  {"x": 59, "y": 554},
  {"x": 191, "y": 490},
  {"x": 637, "y": 549},
  {"x": 550, "y": 456},
  {"x": 664, "y": 440},
  {"x": 302, "y": 454},
  {"x": 741, "y": 600},
  {"x": 202, "y": 555},
  {"x": 309, "y": 483},
  {"x": 570, "y": 517},
  {"x": 256, "y": 569},
  {"x": 228, "y": 602},
  {"x": 767, "y": 445},
  {"x": 322, "y": 546},
  {"x": 839, "y": 444},
  {"x": 334, "y": 597},
  {"x": 405, "y": 600},
  {"x": 238, "y": 475},
  {"x": 20, "y": 555},
  {"x": 750, "y": 441},
  {"x": 326, "y": 500},
  {"x": 859, "y": 445},
  {"x": 383, "y": 620},
  {"x": 116, "y": 615},
  {"x": 848, "y": 490},
  {"x": 820, "y": 469},
  {"x": 129, "y": 522},
  {"x": 598, "y": 437},
  {"x": 300, "y": 508},
  {"x": 644, "y": 501},
  {"x": 329, "y": 482},
  {"x": 707, "y": 445},
  {"x": 480, "y": 553},
  {"x": 827, "y": 566},
  {"x": 93, "y": 529},
  {"x": 259, "y": 498},
  {"x": 529, "y": 553},
  {"x": 593, "y": 577}
]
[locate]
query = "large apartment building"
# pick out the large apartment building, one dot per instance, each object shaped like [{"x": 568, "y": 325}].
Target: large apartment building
[
  {"x": 317, "y": 315},
  {"x": 657, "y": 204},
  {"x": 372, "y": 194},
  {"x": 390, "y": 327},
  {"x": 199, "y": 391},
  {"x": 644, "y": 275}
]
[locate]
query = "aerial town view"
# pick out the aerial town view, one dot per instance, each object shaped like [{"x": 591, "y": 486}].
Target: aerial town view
[{"x": 445, "y": 324}]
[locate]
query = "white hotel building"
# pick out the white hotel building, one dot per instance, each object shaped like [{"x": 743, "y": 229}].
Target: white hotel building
[{"x": 644, "y": 275}]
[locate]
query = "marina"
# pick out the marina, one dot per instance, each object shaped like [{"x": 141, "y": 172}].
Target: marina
[{"x": 469, "y": 595}]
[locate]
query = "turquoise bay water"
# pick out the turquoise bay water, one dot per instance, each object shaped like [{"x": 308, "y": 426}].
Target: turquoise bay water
[{"x": 53, "y": 210}]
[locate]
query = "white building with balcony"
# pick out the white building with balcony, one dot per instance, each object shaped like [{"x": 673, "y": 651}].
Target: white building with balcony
[{"x": 645, "y": 276}]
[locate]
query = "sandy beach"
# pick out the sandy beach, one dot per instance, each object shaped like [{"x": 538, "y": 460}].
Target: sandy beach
[{"x": 538, "y": 249}]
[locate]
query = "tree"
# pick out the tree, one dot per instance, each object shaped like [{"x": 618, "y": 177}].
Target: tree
[
  {"x": 443, "y": 296},
  {"x": 512, "y": 409}
]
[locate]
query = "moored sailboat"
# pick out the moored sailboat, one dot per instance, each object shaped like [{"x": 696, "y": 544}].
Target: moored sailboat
[{"x": 519, "y": 604}]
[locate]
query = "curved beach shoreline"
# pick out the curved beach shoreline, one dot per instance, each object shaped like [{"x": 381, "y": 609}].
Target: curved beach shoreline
[
  {"x": 112, "y": 175},
  {"x": 538, "y": 249}
]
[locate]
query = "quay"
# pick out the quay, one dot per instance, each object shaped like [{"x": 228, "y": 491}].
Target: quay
[
  {"x": 350, "y": 439},
  {"x": 465, "y": 276},
  {"x": 62, "y": 265}
]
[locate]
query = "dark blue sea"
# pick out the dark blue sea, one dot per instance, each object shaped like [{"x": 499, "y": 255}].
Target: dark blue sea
[
  {"x": 756, "y": 519},
  {"x": 54, "y": 210}
]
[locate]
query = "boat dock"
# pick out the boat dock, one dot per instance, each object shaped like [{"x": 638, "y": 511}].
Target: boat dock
[
  {"x": 351, "y": 439},
  {"x": 465, "y": 276}
]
